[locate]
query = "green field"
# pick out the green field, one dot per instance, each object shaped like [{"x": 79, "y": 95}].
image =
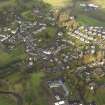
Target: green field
[
  {"x": 98, "y": 97},
  {"x": 4, "y": 100},
  {"x": 31, "y": 88},
  {"x": 27, "y": 15},
  {"x": 86, "y": 20},
  {"x": 57, "y": 3},
  {"x": 46, "y": 36},
  {"x": 7, "y": 3},
  {"x": 36, "y": 79},
  {"x": 35, "y": 93},
  {"x": 15, "y": 55},
  {"x": 48, "y": 33},
  {"x": 61, "y": 3},
  {"x": 20, "y": 4}
]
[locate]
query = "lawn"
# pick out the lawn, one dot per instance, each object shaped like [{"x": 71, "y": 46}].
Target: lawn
[
  {"x": 36, "y": 79},
  {"x": 48, "y": 33},
  {"x": 28, "y": 15},
  {"x": 35, "y": 93},
  {"x": 99, "y": 97},
  {"x": 32, "y": 86},
  {"x": 100, "y": 80},
  {"x": 4, "y": 100},
  {"x": 86, "y": 20},
  {"x": 15, "y": 55},
  {"x": 6, "y": 3},
  {"x": 46, "y": 36}
]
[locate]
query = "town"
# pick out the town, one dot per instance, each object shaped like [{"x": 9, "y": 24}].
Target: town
[{"x": 47, "y": 57}]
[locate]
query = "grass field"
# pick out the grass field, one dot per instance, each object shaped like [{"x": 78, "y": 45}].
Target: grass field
[
  {"x": 86, "y": 20},
  {"x": 99, "y": 97},
  {"x": 7, "y": 3},
  {"x": 94, "y": 18},
  {"x": 47, "y": 36},
  {"x": 36, "y": 79},
  {"x": 32, "y": 86},
  {"x": 57, "y": 3},
  {"x": 4, "y": 100},
  {"x": 35, "y": 93},
  {"x": 99, "y": 2},
  {"x": 17, "y": 54}
]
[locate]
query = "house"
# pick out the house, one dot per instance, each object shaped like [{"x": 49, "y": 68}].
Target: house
[
  {"x": 60, "y": 33},
  {"x": 93, "y": 6},
  {"x": 3, "y": 37},
  {"x": 63, "y": 102},
  {"x": 75, "y": 102},
  {"x": 98, "y": 72},
  {"x": 47, "y": 52},
  {"x": 59, "y": 91}
]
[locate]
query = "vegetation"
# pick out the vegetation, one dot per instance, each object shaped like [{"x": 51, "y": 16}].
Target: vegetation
[
  {"x": 27, "y": 15},
  {"x": 15, "y": 55},
  {"x": 99, "y": 2},
  {"x": 30, "y": 86},
  {"x": 97, "y": 96},
  {"x": 35, "y": 92},
  {"x": 6, "y": 3},
  {"x": 57, "y": 3},
  {"x": 6, "y": 100},
  {"x": 47, "y": 36},
  {"x": 86, "y": 20},
  {"x": 30, "y": 83}
]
